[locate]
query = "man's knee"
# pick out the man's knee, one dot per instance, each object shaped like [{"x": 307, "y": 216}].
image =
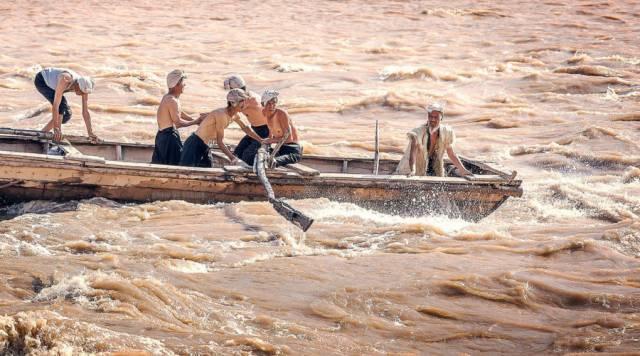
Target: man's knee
[{"x": 66, "y": 113}]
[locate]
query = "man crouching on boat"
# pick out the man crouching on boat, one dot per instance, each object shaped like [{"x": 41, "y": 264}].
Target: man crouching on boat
[
  {"x": 427, "y": 143},
  {"x": 196, "y": 149},
  {"x": 247, "y": 148},
  {"x": 168, "y": 145},
  {"x": 53, "y": 83},
  {"x": 280, "y": 125}
]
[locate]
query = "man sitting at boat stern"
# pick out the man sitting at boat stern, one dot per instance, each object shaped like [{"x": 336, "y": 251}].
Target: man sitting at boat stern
[
  {"x": 427, "y": 144},
  {"x": 280, "y": 125},
  {"x": 53, "y": 83},
  {"x": 196, "y": 148},
  {"x": 170, "y": 117}
]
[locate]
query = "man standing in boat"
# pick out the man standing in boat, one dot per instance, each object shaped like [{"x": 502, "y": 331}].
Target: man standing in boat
[
  {"x": 427, "y": 144},
  {"x": 280, "y": 125},
  {"x": 53, "y": 83},
  {"x": 170, "y": 117},
  {"x": 248, "y": 147},
  {"x": 196, "y": 147}
]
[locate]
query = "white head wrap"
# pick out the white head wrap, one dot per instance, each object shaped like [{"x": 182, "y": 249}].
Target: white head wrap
[
  {"x": 435, "y": 107},
  {"x": 86, "y": 84},
  {"x": 268, "y": 95},
  {"x": 235, "y": 96},
  {"x": 234, "y": 82},
  {"x": 174, "y": 77}
]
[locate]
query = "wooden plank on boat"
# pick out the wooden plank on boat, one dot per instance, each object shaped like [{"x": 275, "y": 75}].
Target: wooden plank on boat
[
  {"x": 486, "y": 178},
  {"x": 74, "y": 155},
  {"x": 302, "y": 169},
  {"x": 237, "y": 169},
  {"x": 489, "y": 168}
]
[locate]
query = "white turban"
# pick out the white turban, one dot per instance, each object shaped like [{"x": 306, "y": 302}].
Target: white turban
[
  {"x": 268, "y": 95},
  {"x": 235, "y": 96},
  {"x": 174, "y": 77},
  {"x": 86, "y": 84},
  {"x": 435, "y": 107},
  {"x": 234, "y": 82}
]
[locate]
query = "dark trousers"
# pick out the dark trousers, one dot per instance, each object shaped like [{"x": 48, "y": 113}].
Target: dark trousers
[
  {"x": 195, "y": 153},
  {"x": 168, "y": 147},
  {"x": 247, "y": 147},
  {"x": 50, "y": 94},
  {"x": 431, "y": 170},
  {"x": 289, "y": 153}
]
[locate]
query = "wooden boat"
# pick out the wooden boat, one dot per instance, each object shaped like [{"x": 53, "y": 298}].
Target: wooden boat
[{"x": 120, "y": 171}]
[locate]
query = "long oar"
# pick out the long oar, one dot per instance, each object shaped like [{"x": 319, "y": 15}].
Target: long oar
[{"x": 290, "y": 213}]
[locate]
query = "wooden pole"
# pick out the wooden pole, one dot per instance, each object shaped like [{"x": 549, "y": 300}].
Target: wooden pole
[{"x": 376, "y": 155}]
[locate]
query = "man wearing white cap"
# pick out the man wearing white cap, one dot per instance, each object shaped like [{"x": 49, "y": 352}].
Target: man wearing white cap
[
  {"x": 196, "y": 147},
  {"x": 53, "y": 83},
  {"x": 427, "y": 144},
  {"x": 280, "y": 125},
  {"x": 248, "y": 147},
  {"x": 168, "y": 145}
]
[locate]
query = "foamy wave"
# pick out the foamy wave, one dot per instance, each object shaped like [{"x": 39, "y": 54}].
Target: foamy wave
[
  {"x": 626, "y": 117},
  {"x": 590, "y": 70},
  {"x": 43, "y": 108},
  {"x": 123, "y": 110},
  {"x": 564, "y": 147},
  {"x": 599, "y": 200},
  {"x": 347, "y": 213},
  {"x": 293, "y": 67},
  {"x": 593, "y": 158},
  {"x": 445, "y": 12},
  {"x": 394, "y": 100},
  {"x": 501, "y": 123},
  {"x": 396, "y": 73},
  {"x": 44, "y": 332},
  {"x": 631, "y": 174}
]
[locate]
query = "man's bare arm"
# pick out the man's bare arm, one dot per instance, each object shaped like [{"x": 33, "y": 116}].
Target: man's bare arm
[
  {"x": 456, "y": 161},
  {"x": 86, "y": 115},
  {"x": 176, "y": 115},
  {"x": 186, "y": 117},
  {"x": 413, "y": 150},
  {"x": 221, "y": 145},
  {"x": 249, "y": 131}
]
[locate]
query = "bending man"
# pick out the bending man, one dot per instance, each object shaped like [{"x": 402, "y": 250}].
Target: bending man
[
  {"x": 53, "y": 83},
  {"x": 248, "y": 147},
  {"x": 196, "y": 148}
]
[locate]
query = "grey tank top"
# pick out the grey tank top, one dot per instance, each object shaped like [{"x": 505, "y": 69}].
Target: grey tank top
[{"x": 51, "y": 76}]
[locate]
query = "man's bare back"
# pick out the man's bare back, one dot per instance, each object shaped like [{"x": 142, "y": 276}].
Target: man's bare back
[
  {"x": 253, "y": 110},
  {"x": 168, "y": 104}
]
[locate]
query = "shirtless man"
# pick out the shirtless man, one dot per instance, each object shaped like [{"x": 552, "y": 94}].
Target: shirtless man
[
  {"x": 248, "y": 147},
  {"x": 53, "y": 83},
  {"x": 196, "y": 148},
  {"x": 280, "y": 125},
  {"x": 427, "y": 144},
  {"x": 168, "y": 146}
]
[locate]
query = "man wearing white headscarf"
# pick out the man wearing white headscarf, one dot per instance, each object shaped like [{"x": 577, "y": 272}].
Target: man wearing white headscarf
[
  {"x": 248, "y": 147},
  {"x": 427, "y": 144},
  {"x": 196, "y": 147},
  {"x": 280, "y": 126},
  {"x": 53, "y": 83},
  {"x": 170, "y": 117}
]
